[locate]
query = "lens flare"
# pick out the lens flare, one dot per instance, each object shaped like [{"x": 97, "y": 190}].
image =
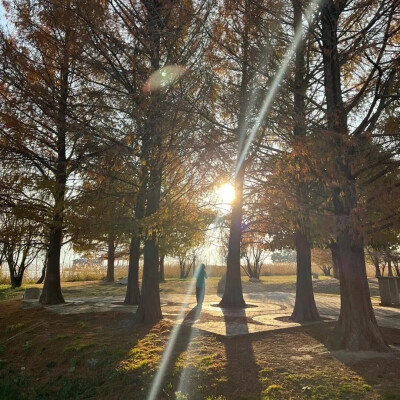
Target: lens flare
[{"x": 163, "y": 78}]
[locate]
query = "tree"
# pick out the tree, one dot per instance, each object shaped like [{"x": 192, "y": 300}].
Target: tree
[
  {"x": 285, "y": 255},
  {"x": 244, "y": 53},
  {"x": 357, "y": 328},
  {"x": 23, "y": 217},
  {"x": 322, "y": 258},
  {"x": 185, "y": 214},
  {"x": 254, "y": 253},
  {"x": 305, "y": 308},
  {"x": 20, "y": 244},
  {"x": 48, "y": 107},
  {"x": 101, "y": 219}
]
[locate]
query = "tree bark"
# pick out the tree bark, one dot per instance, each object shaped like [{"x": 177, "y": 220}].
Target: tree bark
[
  {"x": 41, "y": 279},
  {"x": 51, "y": 293},
  {"x": 356, "y": 328},
  {"x": 161, "y": 268},
  {"x": 335, "y": 259},
  {"x": 233, "y": 293},
  {"x": 132, "y": 296},
  {"x": 110, "y": 257},
  {"x": 305, "y": 309},
  {"x": 15, "y": 280},
  {"x": 377, "y": 270},
  {"x": 149, "y": 310},
  {"x": 390, "y": 271}
]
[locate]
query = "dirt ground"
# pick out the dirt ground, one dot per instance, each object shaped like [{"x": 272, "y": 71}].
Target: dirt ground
[{"x": 105, "y": 356}]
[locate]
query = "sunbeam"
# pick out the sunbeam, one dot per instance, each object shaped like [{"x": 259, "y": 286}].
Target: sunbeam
[
  {"x": 158, "y": 379},
  {"x": 275, "y": 84}
]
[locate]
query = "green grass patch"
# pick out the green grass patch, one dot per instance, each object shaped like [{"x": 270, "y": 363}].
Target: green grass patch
[
  {"x": 14, "y": 327},
  {"x": 27, "y": 345},
  {"x": 8, "y": 293},
  {"x": 272, "y": 389},
  {"x": 62, "y": 337},
  {"x": 77, "y": 345}
]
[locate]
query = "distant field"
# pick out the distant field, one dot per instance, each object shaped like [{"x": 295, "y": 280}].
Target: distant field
[
  {"x": 96, "y": 273},
  {"x": 172, "y": 271}
]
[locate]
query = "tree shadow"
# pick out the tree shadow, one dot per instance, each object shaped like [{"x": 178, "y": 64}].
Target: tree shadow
[
  {"x": 240, "y": 355},
  {"x": 377, "y": 369}
]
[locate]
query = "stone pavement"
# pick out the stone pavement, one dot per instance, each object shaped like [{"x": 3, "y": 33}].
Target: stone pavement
[{"x": 265, "y": 311}]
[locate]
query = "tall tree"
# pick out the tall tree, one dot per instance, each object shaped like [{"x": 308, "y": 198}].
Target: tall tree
[
  {"x": 357, "y": 328},
  {"x": 244, "y": 52},
  {"x": 48, "y": 106},
  {"x": 305, "y": 308}
]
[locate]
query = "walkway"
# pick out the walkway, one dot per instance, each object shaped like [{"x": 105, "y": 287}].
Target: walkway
[{"x": 266, "y": 311}]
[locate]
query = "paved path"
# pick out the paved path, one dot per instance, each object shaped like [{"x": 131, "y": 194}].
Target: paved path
[{"x": 266, "y": 311}]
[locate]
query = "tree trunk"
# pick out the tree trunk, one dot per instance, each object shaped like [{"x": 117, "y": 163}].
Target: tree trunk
[
  {"x": 390, "y": 271},
  {"x": 182, "y": 266},
  {"x": 149, "y": 310},
  {"x": 397, "y": 269},
  {"x": 377, "y": 270},
  {"x": 132, "y": 296},
  {"x": 233, "y": 293},
  {"x": 110, "y": 257},
  {"x": 51, "y": 293},
  {"x": 161, "y": 269},
  {"x": 305, "y": 309},
  {"x": 16, "y": 279},
  {"x": 356, "y": 328},
  {"x": 41, "y": 279},
  {"x": 335, "y": 259}
]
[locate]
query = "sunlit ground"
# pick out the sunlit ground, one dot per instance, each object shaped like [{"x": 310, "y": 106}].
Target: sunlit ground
[{"x": 78, "y": 356}]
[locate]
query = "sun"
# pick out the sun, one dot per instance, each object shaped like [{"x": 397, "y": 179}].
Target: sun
[{"x": 226, "y": 193}]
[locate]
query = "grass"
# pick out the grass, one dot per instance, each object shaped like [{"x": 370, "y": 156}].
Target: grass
[
  {"x": 14, "y": 327},
  {"x": 77, "y": 346},
  {"x": 104, "y": 356}
]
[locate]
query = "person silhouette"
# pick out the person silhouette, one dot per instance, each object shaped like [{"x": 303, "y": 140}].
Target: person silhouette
[{"x": 201, "y": 276}]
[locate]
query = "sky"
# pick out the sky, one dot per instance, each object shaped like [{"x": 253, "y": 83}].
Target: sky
[{"x": 2, "y": 19}]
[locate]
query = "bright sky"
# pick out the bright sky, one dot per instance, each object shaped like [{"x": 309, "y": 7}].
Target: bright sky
[{"x": 2, "y": 19}]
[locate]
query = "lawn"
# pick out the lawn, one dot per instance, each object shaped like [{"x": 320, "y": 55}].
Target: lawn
[{"x": 105, "y": 356}]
